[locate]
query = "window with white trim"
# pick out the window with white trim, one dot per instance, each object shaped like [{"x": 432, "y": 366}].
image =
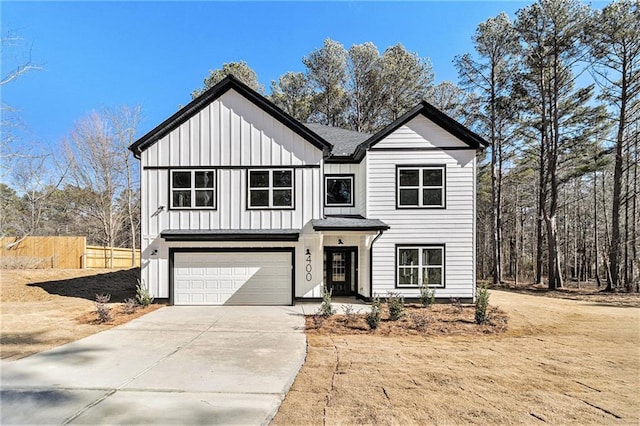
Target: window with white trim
[
  {"x": 421, "y": 186},
  {"x": 193, "y": 189},
  {"x": 270, "y": 189},
  {"x": 420, "y": 265},
  {"x": 338, "y": 190}
]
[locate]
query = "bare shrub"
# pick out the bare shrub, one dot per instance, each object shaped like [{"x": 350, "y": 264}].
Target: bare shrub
[
  {"x": 457, "y": 306},
  {"x": 130, "y": 306},
  {"x": 102, "y": 309},
  {"x": 419, "y": 320},
  {"x": 24, "y": 262},
  {"x": 351, "y": 316}
]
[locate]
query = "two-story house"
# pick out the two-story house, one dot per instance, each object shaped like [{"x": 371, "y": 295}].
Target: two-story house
[{"x": 242, "y": 204}]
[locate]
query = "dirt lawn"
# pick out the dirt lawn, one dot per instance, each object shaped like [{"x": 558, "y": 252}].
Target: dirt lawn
[
  {"x": 44, "y": 308},
  {"x": 560, "y": 361}
]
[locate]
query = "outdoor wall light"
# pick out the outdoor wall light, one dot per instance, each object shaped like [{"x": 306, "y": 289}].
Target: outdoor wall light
[
  {"x": 308, "y": 253},
  {"x": 154, "y": 252},
  {"x": 340, "y": 242}
]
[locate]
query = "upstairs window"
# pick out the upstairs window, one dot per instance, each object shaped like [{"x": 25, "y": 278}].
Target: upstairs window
[
  {"x": 338, "y": 190},
  {"x": 420, "y": 265},
  {"x": 420, "y": 187},
  {"x": 193, "y": 189},
  {"x": 270, "y": 189}
]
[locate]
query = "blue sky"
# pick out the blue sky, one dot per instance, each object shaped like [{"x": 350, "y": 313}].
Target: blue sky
[{"x": 153, "y": 54}]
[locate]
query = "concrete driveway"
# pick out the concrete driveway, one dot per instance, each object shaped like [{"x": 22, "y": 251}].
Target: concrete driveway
[{"x": 176, "y": 365}]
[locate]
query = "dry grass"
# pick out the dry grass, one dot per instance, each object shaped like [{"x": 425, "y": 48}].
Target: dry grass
[
  {"x": 45, "y": 308},
  {"x": 560, "y": 362}
]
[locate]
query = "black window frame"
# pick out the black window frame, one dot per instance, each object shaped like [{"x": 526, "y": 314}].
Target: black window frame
[
  {"x": 420, "y": 247},
  {"x": 421, "y": 187},
  {"x": 192, "y": 189},
  {"x": 270, "y": 188},
  {"x": 348, "y": 176}
]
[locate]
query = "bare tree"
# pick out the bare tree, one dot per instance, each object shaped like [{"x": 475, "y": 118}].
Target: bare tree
[
  {"x": 125, "y": 121},
  {"x": 99, "y": 162}
]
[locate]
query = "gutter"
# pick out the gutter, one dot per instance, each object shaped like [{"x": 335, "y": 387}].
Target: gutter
[{"x": 371, "y": 263}]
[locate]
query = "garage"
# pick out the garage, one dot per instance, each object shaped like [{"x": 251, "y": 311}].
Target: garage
[{"x": 232, "y": 278}]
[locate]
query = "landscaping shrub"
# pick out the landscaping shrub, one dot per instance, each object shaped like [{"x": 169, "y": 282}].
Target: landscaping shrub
[
  {"x": 455, "y": 302},
  {"x": 143, "y": 296},
  {"x": 395, "y": 303},
  {"x": 419, "y": 320},
  {"x": 130, "y": 306},
  {"x": 102, "y": 309},
  {"x": 482, "y": 302},
  {"x": 373, "y": 317},
  {"x": 326, "y": 308},
  {"x": 350, "y": 315},
  {"x": 427, "y": 295}
]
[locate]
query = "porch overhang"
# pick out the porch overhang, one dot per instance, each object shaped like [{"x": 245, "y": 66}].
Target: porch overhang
[
  {"x": 231, "y": 235},
  {"x": 355, "y": 224}
]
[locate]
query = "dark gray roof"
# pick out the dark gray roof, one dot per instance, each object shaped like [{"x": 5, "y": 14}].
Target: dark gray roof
[
  {"x": 348, "y": 224},
  {"x": 230, "y": 234},
  {"x": 344, "y": 141}
]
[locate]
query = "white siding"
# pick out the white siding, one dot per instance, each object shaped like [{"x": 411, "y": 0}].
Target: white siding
[
  {"x": 452, "y": 226},
  {"x": 420, "y": 132},
  {"x": 231, "y": 134}
]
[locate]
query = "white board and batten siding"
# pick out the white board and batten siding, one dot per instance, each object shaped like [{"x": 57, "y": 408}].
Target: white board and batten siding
[
  {"x": 230, "y": 135},
  {"x": 453, "y": 226}
]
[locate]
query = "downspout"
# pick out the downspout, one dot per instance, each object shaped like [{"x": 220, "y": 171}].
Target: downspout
[{"x": 371, "y": 263}]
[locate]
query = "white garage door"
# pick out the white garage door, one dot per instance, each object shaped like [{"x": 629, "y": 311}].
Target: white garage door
[{"x": 242, "y": 278}]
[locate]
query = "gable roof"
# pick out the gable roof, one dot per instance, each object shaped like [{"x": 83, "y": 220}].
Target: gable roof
[
  {"x": 344, "y": 141},
  {"x": 435, "y": 115},
  {"x": 202, "y": 101}
]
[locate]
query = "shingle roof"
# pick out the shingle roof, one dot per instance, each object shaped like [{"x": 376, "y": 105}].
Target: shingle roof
[
  {"x": 344, "y": 141},
  {"x": 348, "y": 224}
]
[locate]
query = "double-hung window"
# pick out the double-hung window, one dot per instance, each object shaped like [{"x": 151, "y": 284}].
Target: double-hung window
[
  {"x": 420, "y": 265},
  {"x": 270, "y": 189},
  {"x": 193, "y": 189},
  {"x": 420, "y": 187},
  {"x": 338, "y": 190}
]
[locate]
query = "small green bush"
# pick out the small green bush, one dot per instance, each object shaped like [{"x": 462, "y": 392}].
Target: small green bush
[
  {"x": 482, "y": 302},
  {"x": 427, "y": 295},
  {"x": 143, "y": 296},
  {"x": 395, "y": 303},
  {"x": 326, "y": 308},
  {"x": 373, "y": 317}
]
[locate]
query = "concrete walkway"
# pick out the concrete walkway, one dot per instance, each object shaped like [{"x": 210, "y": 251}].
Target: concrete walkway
[{"x": 176, "y": 365}]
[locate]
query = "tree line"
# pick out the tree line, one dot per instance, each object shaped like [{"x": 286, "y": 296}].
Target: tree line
[{"x": 555, "y": 92}]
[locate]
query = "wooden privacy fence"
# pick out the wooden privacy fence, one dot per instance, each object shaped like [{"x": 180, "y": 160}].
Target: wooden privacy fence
[
  {"x": 109, "y": 257},
  {"x": 61, "y": 253}
]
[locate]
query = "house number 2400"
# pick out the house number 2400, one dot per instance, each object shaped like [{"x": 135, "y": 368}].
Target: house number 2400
[{"x": 308, "y": 267}]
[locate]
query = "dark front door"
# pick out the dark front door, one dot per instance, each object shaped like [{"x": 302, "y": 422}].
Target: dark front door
[{"x": 340, "y": 266}]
